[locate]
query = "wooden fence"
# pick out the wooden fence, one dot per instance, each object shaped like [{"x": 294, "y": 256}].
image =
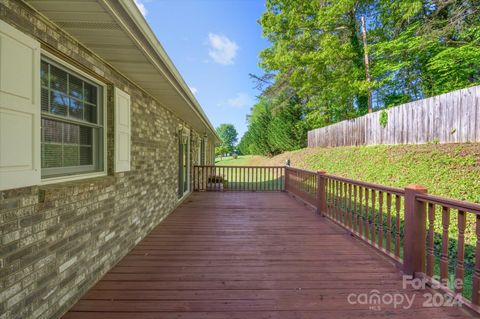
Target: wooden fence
[
  {"x": 448, "y": 118},
  {"x": 426, "y": 236}
]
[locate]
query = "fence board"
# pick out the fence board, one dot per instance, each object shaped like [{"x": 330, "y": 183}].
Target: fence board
[{"x": 448, "y": 118}]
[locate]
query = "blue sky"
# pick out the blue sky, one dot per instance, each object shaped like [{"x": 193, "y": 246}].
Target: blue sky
[{"x": 215, "y": 45}]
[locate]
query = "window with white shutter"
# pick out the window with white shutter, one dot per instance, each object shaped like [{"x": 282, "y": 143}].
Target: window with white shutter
[
  {"x": 122, "y": 131},
  {"x": 19, "y": 109}
]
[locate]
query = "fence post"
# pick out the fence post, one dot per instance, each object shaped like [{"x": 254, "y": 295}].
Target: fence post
[
  {"x": 414, "y": 249},
  {"x": 321, "y": 193},
  {"x": 286, "y": 178}
]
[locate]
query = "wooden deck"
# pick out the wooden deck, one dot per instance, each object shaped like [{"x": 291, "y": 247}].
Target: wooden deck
[{"x": 248, "y": 256}]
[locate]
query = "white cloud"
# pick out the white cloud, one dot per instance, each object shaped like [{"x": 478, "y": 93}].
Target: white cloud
[
  {"x": 222, "y": 49},
  {"x": 194, "y": 90},
  {"x": 240, "y": 100},
  {"x": 141, "y": 7}
]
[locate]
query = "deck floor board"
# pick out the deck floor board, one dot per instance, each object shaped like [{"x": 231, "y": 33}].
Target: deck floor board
[{"x": 249, "y": 255}]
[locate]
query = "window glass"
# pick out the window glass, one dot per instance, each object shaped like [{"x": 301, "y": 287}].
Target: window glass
[{"x": 72, "y": 137}]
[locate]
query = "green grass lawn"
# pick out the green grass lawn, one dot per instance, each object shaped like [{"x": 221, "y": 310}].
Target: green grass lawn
[{"x": 242, "y": 160}]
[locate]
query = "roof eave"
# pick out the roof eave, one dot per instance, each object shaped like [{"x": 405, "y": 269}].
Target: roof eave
[{"x": 132, "y": 10}]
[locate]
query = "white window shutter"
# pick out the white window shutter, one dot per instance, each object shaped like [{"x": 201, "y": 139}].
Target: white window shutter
[
  {"x": 122, "y": 131},
  {"x": 19, "y": 109}
]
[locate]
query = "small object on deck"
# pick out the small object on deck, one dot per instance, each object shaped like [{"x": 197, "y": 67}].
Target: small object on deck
[
  {"x": 216, "y": 183},
  {"x": 287, "y": 162}
]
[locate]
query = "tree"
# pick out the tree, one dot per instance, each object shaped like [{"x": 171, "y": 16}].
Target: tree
[
  {"x": 426, "y": 47},
  {"x": 316, "y": 46},
  {"x": 315, "y": 71},
  {"x": 220, "y": 151},
  {"x": 229, "y": 136}
]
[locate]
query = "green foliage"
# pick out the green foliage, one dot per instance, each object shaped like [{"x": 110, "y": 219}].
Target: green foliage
[
  {"x": 316, "y": 49},
  {"x": 258, "y": 130},
  {"x": 221, "y": 150},
  {"x": 316, "y": 66},
  {"x": 275, "y": 125},
  {"x": 229, "y": 136},
  {"x": 383, "y": 118},
  {"x": 315, "y": 69},
  {"x": 423, "y": 48}
]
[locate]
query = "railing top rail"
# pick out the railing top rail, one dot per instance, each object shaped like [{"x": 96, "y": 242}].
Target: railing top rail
[
  {"x": 450, "y": 203},
  {"x": 386, "y": 189},
  {"x": 299, "y": 170},
  {"x": 236, "y": 166}
]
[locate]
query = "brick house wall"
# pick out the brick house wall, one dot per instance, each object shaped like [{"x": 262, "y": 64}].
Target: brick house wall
[{"x": 58, "y": 240}]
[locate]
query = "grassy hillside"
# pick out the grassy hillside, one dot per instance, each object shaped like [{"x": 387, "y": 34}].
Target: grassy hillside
[{"x": 451, "y": 170}]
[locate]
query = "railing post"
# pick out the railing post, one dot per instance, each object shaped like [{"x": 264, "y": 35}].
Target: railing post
[
  {"x": 321, "y": 193},
  {"x": 286, "y": 178},
  {"x": 414, "y": 251}
]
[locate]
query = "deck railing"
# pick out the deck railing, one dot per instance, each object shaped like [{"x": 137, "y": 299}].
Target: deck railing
[
  {"x": 414, "y": 229},
  {"x": 302, "y": 183},
  {"x": 447, "y": 258},
  {"x": 372, "y": 212},
  {"x": 239, "y": 178}
]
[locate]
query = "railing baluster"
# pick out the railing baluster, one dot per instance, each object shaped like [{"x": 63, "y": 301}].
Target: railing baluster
[
  {"x": 225, "y": 179},
  {"x": 367, "y": 223},
  {"x": 350, "y": 212},
  {"x": 269, "y": 179},
  {"x": 360, "y": 210},
  {"x": 430, "y": 240},
  {"x": 476, "y": 272},
  {"x": 220, "y": 174},
  {"x": 444, "y": 254},
  {"x": 380, "y": 219},
  {"x": 245, "y": 178},
  {"x": 212, "y": 184},
  {"x": 270, "y": 170},
  {"x": 204, "y": 178},
  {"x": 277, "y": 179},
  {"x": 397, "y": 226},
  {"x": 344, "y": 204},
  {"x": 336, "y": 200},
  {"x": 279, "y": 173},
  {"x": 340, "y": 202},
  {"x": 327, "y": 195},
  {"x": 373, "y": 223},
  {"x": 355, "y": 213},
  {"x": 263, "y": 179},
  {"x": 276, "y": 185},
  {"x": 332, "y": 198},
  {"x": 389, "y": 222},
  {"x": 459, "y": 273}
]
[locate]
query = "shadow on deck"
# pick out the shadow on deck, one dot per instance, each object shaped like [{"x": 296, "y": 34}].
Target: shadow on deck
[{"x": 251, "y": 255}]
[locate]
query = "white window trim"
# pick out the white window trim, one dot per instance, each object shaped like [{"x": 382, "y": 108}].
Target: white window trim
[{"x": 75, "y": 177}]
